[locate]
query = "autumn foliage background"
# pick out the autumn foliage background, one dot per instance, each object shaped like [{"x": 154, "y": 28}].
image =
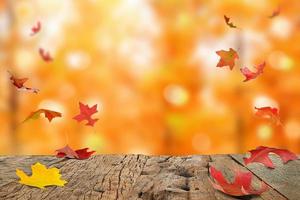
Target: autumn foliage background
[{"x": 150, "y": 65}]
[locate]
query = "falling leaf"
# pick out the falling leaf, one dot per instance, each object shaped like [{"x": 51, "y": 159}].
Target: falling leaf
[
  {"x": 268, "y": 113},
  {"x": 241, "y": 185},
  {"x": 45, "y": 55},
  {"x": 86, "y": 113},
  {"x": 67, "y": 152},
  {"x": 230, "y": 24},
  {"x": 260, "y": 155},
  {"x": 252, "y": 75},
  {"x": 41, "y": 176},
  {"x": 275, "y": 13},
  {"x": 36, "y": 28},
  {"x": 49, "y": 114},
  {"x": 227, "y": 58},
  {"x": 19, "y": 84}
]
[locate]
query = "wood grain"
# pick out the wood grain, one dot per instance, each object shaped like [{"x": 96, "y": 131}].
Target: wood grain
[
  {"x": 140, "y": 177},
  {"x": 285, "y": 177}
]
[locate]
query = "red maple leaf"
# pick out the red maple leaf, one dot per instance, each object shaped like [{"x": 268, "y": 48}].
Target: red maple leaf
[
  {"x": 252, "y": 75},
  {"x": 45, "y": 55},
  {"x": 268, "y": 113},
  {"x": 67, "y": 152},
  {"x": 19, "y": 84},
  {"x": 260, "y": 155},
  {"x": 36, "y": 28},
  {"x": 241, "y": 185},
  {"x": 84, "y": 153},
  {"x": 49, "y": 114},
  {"x": 227, "y": 21},
  {"x": 86, "y": 113}
]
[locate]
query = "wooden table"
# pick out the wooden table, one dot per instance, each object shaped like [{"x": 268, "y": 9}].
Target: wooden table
[{"x": 145, "y": 177}]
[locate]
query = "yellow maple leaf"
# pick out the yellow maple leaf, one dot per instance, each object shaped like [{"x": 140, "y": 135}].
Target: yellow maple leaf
[{"x": 41, "y": 176}]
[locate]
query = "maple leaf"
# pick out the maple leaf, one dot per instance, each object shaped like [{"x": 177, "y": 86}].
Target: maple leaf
[
  {"x": 227, "y": 58},
  {"x": 41, "y": 176},
  {"x": 230, "y": 24},
  {"x": 19, "y": 84},
  {"x": 36, "y": 28},
  {"x": 241, "y": 185},
  {"x": 67, "y": 152},
  {"x": 252, "y": 75},
  {"x": 269, "y": 113},
  {"x": 260, "y": 155},
  {"x": 86, "y": 113},
  {"x": 84, "y": 153},
  {"x": 275, "y": 13},
  {"x": 49, "y": 114},
  {"x": 45, "y": 55}
]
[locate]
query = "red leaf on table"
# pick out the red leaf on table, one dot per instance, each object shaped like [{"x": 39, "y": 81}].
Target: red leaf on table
[
  {"x": 19, "y": 84},
  {"x": 227, "y": 58},
  {"x": 241, "y": 185},
  {"x": 230, "y": 24},
  {"x": 36, "y": 28},
  {"x": 260, "y": 155},
  {"x": 67, "y": 152},
  {"x": 275, "y": 13},
  {"x": 45, "y": 55},
  {"x": 49, "y": 114},
  {"x": 268, "y": 113},
  {"x": 84, "y": 153},
  {"x": 86, "y": 113},
  {"x": 252, "y": 75}
]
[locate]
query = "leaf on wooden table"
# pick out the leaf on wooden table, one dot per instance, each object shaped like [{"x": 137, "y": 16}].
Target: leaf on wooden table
[
  {"x": 49, "y": 114},
  {"x": 41, "y": 176},
  {"x": 84, "y": 153},
  {"x": 36, "y": 28},
  {"x": 67, "y": 152},
  {"x": 86, "y": 113},
  {"x": 241, "y": 185},
  {"x": 227, "y": 58},
  {"x": 261, "y": 155},
  {"x": 252, "y": 75},
  {"x": 19, "y": 84}
]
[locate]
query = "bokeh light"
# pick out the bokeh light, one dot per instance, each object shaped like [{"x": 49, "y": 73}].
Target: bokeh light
[{"x": 150, "y": 66}]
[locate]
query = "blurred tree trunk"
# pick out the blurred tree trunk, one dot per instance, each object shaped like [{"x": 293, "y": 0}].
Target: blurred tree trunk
[
  {"x": 13, "y": 95},
  {"x": 239, "y": 92}
]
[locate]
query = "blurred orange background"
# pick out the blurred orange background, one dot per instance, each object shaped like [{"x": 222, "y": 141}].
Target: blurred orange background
[{"x": 150, "y": 65}]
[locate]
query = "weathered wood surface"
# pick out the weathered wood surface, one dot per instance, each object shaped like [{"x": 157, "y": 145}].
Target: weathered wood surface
[{"x": 140, "y": 177}]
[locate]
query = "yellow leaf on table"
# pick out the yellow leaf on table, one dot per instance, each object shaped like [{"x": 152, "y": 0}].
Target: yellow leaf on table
[{"x": 41, "y": 176}]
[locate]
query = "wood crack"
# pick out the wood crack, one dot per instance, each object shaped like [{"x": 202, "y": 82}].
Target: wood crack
[
  {"x": 257, "y": 176},
  {"x": 119, "y": 176}
]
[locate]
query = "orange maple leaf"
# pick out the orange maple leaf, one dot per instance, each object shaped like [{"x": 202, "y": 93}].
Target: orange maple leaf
[
  {"x": 49, "y": 114},
  {"x": 227, "y": 58}
]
